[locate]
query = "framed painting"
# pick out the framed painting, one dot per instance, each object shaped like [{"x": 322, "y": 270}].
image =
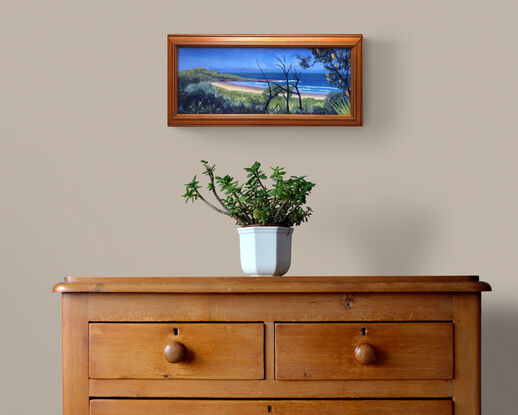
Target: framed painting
[{"x": 248, "y": 80}]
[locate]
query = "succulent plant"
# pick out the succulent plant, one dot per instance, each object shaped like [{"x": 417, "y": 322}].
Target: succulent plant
[{"x": 279, "y": 201}]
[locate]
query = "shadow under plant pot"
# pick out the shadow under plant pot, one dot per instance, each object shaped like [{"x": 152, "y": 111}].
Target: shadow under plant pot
[{"x": 265, "y": 250}]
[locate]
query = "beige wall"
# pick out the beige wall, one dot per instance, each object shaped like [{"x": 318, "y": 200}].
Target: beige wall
[{"x": 91, "y": 176}]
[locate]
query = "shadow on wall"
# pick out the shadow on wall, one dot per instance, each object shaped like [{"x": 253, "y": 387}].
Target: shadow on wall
[
  {"x": 383, "y": 81},
  {"x": 383, "y": 102},
  {"x": 499, "y": 364},
  {"x": 392, "y": 239}
]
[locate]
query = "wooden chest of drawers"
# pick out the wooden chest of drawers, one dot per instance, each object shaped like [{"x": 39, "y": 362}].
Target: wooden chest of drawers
[{"x": 285, "y": 346}]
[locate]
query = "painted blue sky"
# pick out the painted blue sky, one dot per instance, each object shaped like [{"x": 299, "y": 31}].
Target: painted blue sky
[{"x": 239, "y": 59}]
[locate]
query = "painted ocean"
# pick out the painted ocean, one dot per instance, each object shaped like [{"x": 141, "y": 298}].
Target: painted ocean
[{"x": 313, "y": 83}]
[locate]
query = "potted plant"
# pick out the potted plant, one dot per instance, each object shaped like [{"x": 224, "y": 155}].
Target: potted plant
[{"x": 264, "y": 213}]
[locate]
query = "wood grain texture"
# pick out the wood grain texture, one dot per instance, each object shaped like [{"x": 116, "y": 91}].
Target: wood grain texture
[
  {"x": 269, "y": 357},
  {"x": 281, "y": 307},
  {"x": 220, "y": 389},
  {"x": 467, "y": 394},
  {"x": 179, "y": 407},
  {"x": 322, "y": 278},
  {"x": 323, "y": 351},
  {"x": 354, "y": 42},
  {"x": 291, "y": 345},
  {"x": 273, "y": 284},
  {"x": 213, "y": 351},
  {"x": 75, "y": 354}
]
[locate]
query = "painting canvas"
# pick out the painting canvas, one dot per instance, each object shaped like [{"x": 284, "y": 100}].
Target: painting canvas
[
  {"x": 271, "y": 82},
  {"x": 264, "y": 80}
]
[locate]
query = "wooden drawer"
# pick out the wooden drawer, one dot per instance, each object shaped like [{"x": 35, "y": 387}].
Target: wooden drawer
[
  {"x": 328, "y": 351},
  {"x": 212, "y": 351},
  {"x": 207, "y": 407}
]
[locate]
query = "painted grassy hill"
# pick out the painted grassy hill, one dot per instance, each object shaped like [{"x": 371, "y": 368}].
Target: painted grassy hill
[{"x": 195, "y": 76}]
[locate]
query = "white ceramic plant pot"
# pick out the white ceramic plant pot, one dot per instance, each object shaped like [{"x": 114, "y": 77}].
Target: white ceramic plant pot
[{"x": 265, "y": 250}]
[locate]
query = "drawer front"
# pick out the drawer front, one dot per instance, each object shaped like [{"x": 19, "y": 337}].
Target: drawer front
[
  {"x": 179, "y": 407},
  {"x": 328, "y": 351},
  {"x": 199, "y": 351}
]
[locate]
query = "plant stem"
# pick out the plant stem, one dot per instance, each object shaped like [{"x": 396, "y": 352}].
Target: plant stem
[
  {"x": 223, "y": 212},
  {"x": 281, "y": 207},
  {"x": 211, "y": 177},
  {"x": 245, "y": 210},
  {"x": 259, "y": 181},
  {"x": 293, "y": 209}
]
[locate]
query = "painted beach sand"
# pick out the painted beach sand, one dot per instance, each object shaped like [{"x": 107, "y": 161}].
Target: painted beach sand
[{"x": 218, "y": 80}]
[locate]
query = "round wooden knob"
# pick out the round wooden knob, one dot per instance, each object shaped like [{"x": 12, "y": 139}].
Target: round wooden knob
[
  {"x": 365, "y": 353},
  {"x": 174, "y": 352}
]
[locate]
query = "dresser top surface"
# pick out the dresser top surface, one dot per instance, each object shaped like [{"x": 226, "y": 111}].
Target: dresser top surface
[{"x": 314, "y": 284}]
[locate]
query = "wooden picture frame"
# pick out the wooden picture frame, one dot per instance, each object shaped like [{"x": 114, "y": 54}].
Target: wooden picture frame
[{"x": 350, "y": 43}]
